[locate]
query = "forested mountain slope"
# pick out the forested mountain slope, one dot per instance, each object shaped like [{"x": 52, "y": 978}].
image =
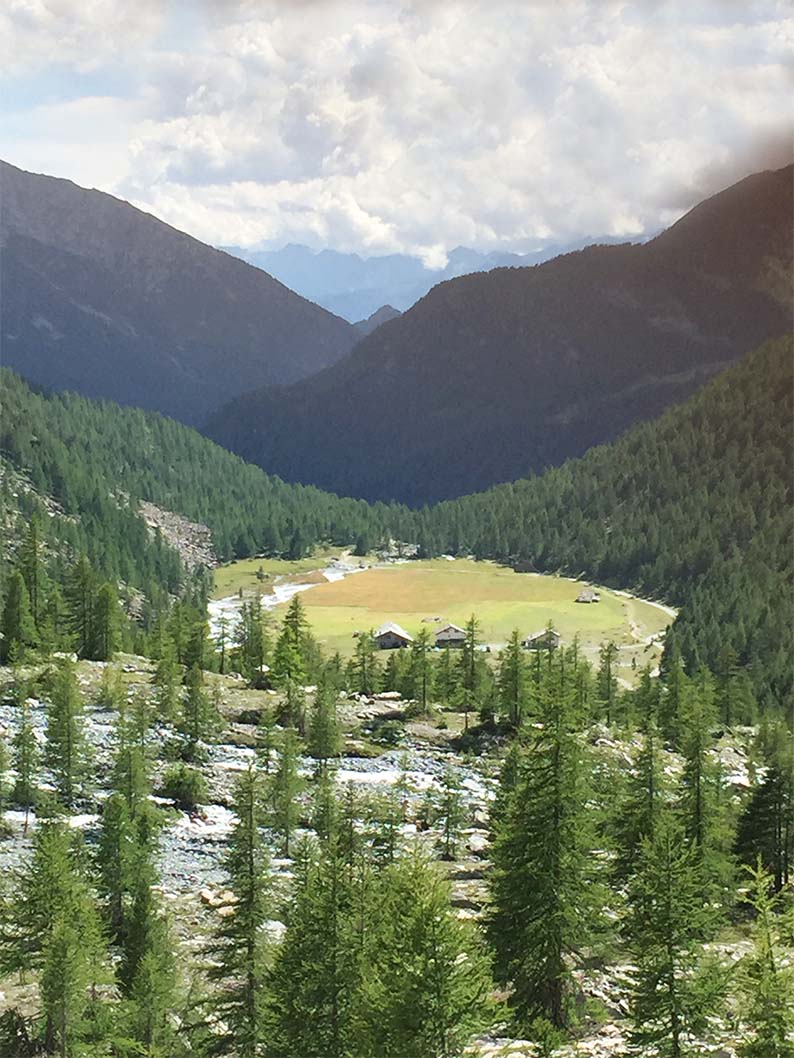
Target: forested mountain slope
[
  {"x": 695, "y": 508},
  {"x": 104, "y": 299},
  {"x": 97, "y": 460},
  {"x": 495, "y": 375}
]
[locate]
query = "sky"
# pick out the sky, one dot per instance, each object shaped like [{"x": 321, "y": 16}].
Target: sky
[{"x": 380, "y": 127}]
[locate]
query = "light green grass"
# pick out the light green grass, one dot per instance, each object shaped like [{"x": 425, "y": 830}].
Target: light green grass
[
  {"x": 500, "y": 598},
  {"x": 235, "y": 575}
]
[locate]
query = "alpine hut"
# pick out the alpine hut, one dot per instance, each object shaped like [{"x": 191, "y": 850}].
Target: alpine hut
[
  {"x": 546, "y": 639},
  {"x": 450, "y": 636},
  {"x": 390, "y": 636}
]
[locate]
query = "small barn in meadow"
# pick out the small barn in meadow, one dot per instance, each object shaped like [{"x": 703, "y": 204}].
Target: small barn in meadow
[
  {"x": 390, "y": 636},
  {"x": 545, "y": 639},
  {"x": 450, "y": 636},
  {"x": 588, "y": 595}
]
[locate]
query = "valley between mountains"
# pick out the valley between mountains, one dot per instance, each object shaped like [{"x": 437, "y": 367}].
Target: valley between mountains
[{"x": 442, "y": 705}]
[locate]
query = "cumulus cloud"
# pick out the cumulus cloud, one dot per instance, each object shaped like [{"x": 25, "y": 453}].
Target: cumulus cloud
[{"x": 384, "y": 126}]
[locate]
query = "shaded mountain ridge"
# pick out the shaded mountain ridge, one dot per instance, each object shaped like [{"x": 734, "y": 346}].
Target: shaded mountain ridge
[
  {"x": 495, "y": 375},
  {"x": 105, "y": 299}
]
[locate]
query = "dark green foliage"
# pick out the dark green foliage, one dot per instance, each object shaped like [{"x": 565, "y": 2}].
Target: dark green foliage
[
  {"x": 375, "y": 966},
  {"x": 674, "y": 989},
  {"x": 425, "y": 980},
  {"x": 512, "y": 681},
  {"x": 641, "y": 804},
  {"x": 544, "y": 898},
  {"x": 185, "y": 785},
  {"x": 767, "y": 985},
  {"x": 19, "y": 628},
  {"x": 65, "y": 751},
  {"x": 199, "y": 718},
  {"x": 325, "y": 737},
  {"x": 25, "y": 753},
  {"x": 285, "y": 786},
  {"x": 90, "y": 454},
  {"x": 766, "y": 825},
  {"x": 239, "y": 949},
  {"x": 694, "y": 508}
]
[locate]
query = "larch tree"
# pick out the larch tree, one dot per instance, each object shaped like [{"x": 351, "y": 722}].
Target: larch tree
[
  {"x": 544, "y": 898},
  {"x": 19, "y": 628},
  {"x": 325, "y": 736},
  {"x": 285, "y": 786},
  {"x": 425, "y": 981},
  {"x": 512, "y": 680},
  {"x": 66, "y": 752},
  {"x": 238, "y": 948},
  {"x": 673, "y": 989},
  {"x": 766, "y": 982}
]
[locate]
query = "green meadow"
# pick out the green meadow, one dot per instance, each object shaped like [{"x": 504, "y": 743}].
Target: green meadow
[{"x": 414, "y": 594}]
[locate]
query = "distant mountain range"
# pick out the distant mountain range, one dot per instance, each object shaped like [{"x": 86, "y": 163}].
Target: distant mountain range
[
  {"x": 355, "y": 287},
  {"x": 102, "y": 298},
  {"x": 492, "y": 376}
]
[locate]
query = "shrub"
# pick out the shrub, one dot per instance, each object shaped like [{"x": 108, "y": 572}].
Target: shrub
[{"x": 185, "y": 785}]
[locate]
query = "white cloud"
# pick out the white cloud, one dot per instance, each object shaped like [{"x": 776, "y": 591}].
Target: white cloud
[{"x": 380, "y": 126}]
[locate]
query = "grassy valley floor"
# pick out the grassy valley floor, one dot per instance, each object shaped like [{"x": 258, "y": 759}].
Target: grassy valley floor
[{"x": 418, "y": 594}]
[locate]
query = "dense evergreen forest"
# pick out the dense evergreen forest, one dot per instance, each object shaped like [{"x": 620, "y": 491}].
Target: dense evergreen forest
[
  {"x": 97, "y": 460},
  {"x": 694, "y": 508}
]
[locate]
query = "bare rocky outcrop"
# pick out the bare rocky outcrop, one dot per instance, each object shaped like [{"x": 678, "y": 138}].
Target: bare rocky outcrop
[{"x": 192, "y": 540}]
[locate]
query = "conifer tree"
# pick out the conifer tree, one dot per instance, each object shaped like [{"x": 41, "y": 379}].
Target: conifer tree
[
  {"x": 49, "y": 889},
  {"x": 420, "y": 671},
  {"x": 19, "y": 629},
  {"x": 80, "y": 593},
  {"x": 766, "y": 983},
  {"x": 641, "y": 804},
  {"x": 285, "y": 786},
  {"x": 544, "y": 901},
  {"x": 325, "y": 738},
  {"x": 365, "y": 675},
  {"x": 238, "y": 948},
  {"x": 292, "y": 711},
  {"x": 512, "y": 682},
  {"x": 166, "y": 680},
  {"x": 446, "y": 678},
  {"x": 25, "y": 753},
  {"x": 65, "y": 979},
  {"x": 199, "y": 719},
  {"x": 315, "y": 981},
  {"x": 673, "y": 990},
  {"x": 425, "y": 980},
  {"x": 450, "y": 813},
  {"x": 65, "y": 751},
  {"x": 265, "y": 738},
  {"x": 470, "y": 674},
  {"x": 30, "y": 562},
  {"x": 606, "y": 681},
  {"x": 118, "y": 861},
  {"x": 106, "y": 623},
  {"x": 700, "y": 803},
  {"x": 766, "y": 824},
  {"x": 253, "y": 647}
]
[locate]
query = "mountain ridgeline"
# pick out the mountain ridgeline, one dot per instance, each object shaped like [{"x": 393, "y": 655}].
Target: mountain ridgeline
[
  {"x": 106, "y": 300},
  {"x": 694, "y": 508},
  {"x": 493, "y": 376}
]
